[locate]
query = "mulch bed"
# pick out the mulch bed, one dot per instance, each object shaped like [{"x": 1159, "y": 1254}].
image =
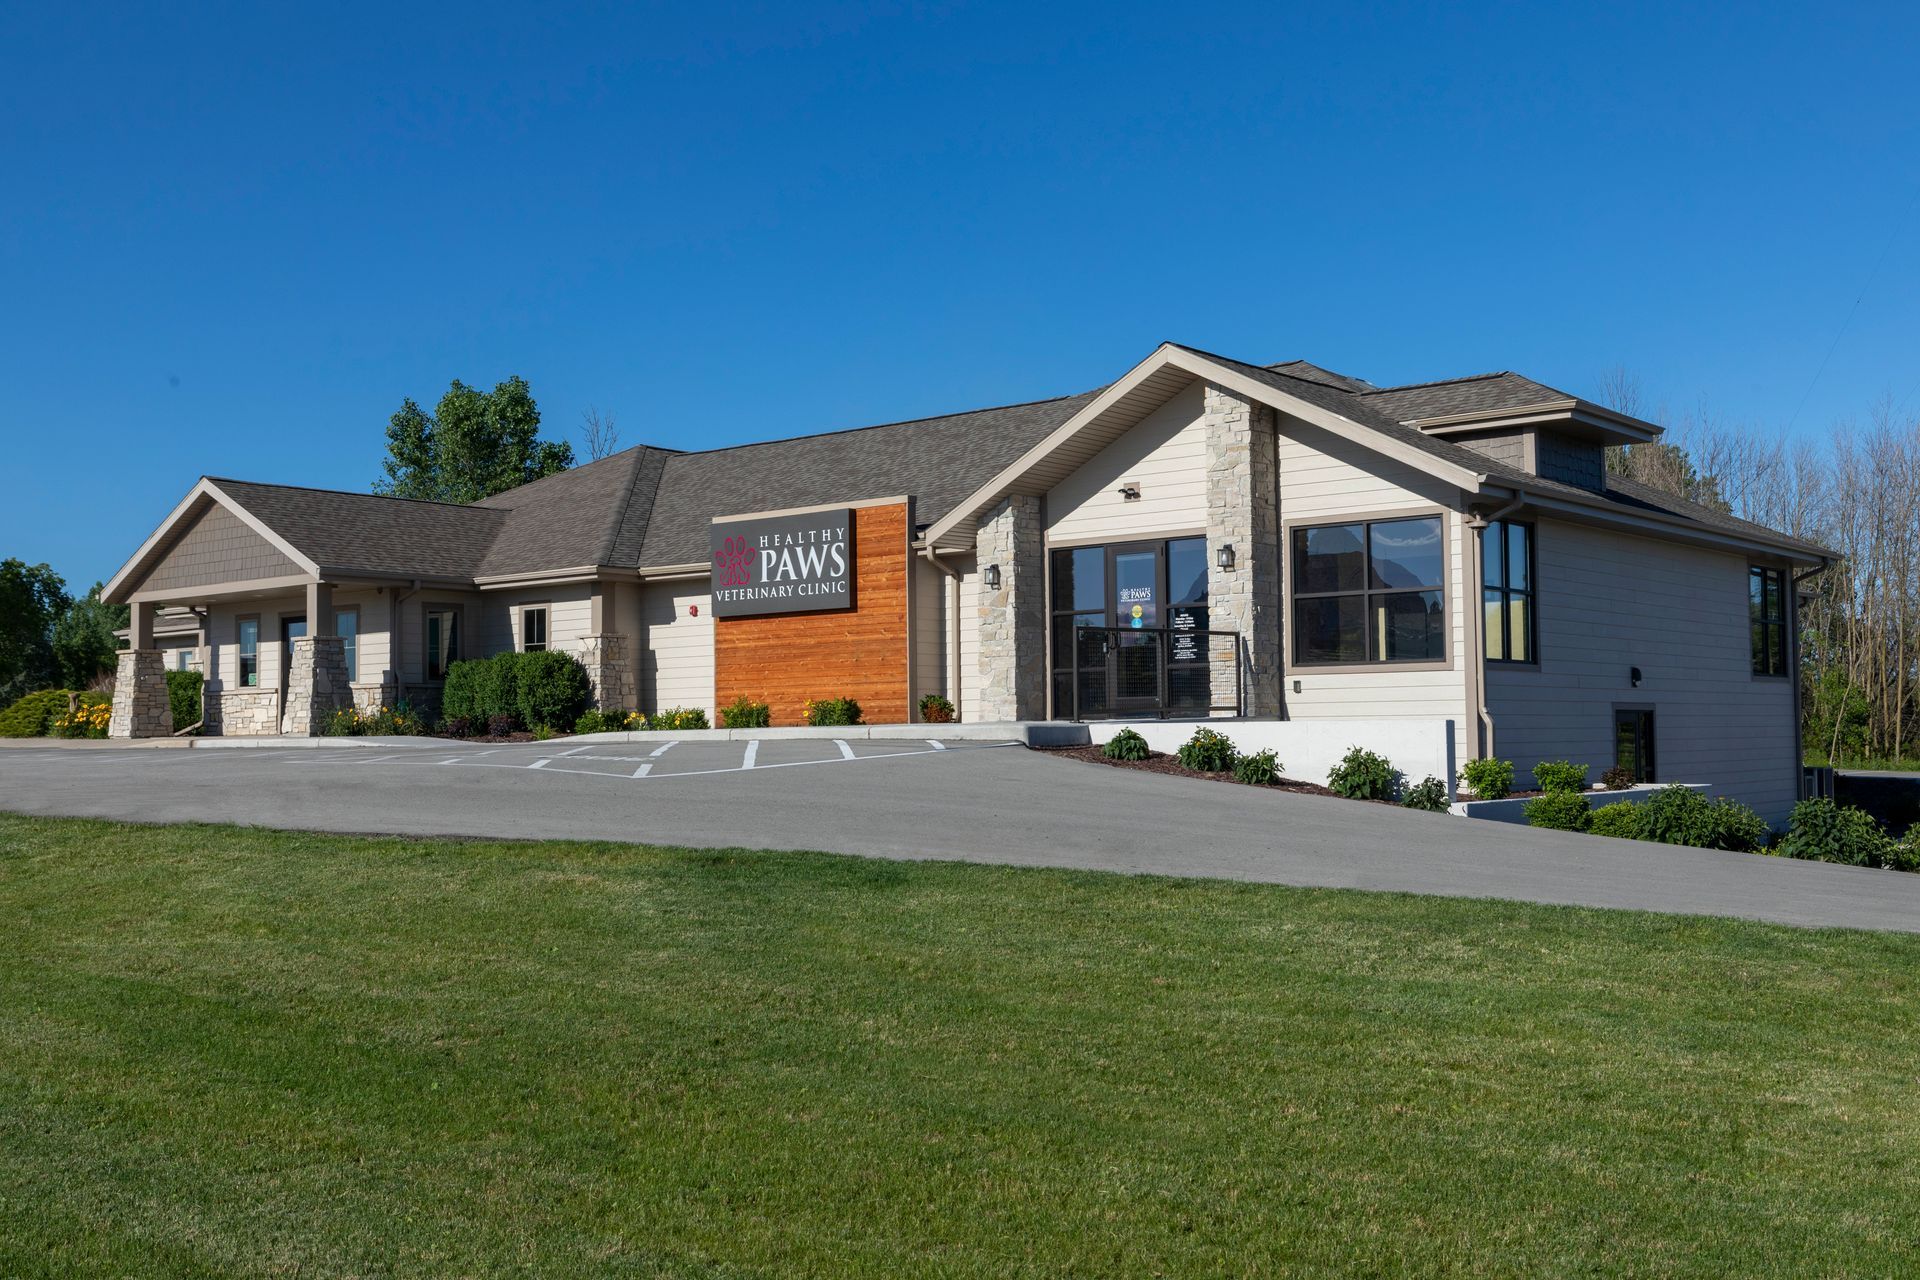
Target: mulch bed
[{"x": 1157, "y": 762}]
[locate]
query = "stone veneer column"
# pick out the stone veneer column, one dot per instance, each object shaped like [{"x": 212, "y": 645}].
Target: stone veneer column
[
  {"x": 610, "y": 672},
  {"x": 141, "y": 706},
  {"x": 1013, "y": 617},
  {"x": 1243, "y": 473},
  {"x": 317, "y": 684}
]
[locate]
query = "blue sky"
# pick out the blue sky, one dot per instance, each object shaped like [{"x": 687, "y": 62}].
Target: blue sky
[{"x": 233, "y": 239}]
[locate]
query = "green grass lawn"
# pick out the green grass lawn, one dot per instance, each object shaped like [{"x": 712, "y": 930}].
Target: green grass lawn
[{"x": 237, "y": 1052}]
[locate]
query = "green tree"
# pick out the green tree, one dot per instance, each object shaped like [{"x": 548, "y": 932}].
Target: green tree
[
  {"x": 473, "y": 445},
  {"x": 83, "y": 641},
  {"x": 31, "y": 597}
]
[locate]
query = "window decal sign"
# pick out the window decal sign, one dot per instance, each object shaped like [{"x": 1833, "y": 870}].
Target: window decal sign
[{"x": 782, "y": 564}]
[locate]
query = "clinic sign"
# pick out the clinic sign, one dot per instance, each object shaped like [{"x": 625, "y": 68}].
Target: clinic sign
[{"x": 782, "y": 564}]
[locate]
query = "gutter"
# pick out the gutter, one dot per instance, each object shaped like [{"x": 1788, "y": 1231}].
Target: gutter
[
  {"x": 953, "y": 624},
  {"x": 1477, "y": 660}
]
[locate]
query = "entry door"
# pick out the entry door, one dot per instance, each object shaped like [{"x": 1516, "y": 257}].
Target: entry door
[
  {"x": 1137, "y": 593},
  {"x": 291, "y": 629},
  {"x": 1633, "y": 742}
]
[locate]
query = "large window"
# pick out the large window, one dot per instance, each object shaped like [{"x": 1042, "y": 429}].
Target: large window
[
  {"x": 1767, "y": 611},
  {"x": 1633, "y": 741},
  {"x": 1506, "y": 578},
  {"x": 346, "y": 625},
  {"x": 1135, "y": 592},
  {"x": 249, "y": 646},
  {"x": 533, "y": 629},
  {"x": 1079, "y": 599},
  {"x": 1371, "y": 591},
  {"x": 443, "y": 641}
]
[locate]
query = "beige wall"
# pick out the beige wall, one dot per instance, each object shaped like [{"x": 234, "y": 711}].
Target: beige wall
[
  {"x": 1165, "y": 454},
  {"x": 676, "y": 668},
  {"x": 1609, "y": 602}
]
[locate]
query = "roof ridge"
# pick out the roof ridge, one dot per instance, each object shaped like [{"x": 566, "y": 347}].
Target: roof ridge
[
  {"x": 353, "y": 493},
  {"x": 1441, "y": 382},
  {"x": 876, "y": 426}
]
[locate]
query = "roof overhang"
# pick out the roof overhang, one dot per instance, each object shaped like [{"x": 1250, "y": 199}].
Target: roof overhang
[
  {"x": 123, "y": 586},
  {"x": 1576, "y": 418},
  {"x": 1119, "y": 408},
  {"x": 1672, "y": 528}
]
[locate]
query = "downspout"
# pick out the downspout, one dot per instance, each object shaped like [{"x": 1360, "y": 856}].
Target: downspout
[
  {"x": 953, "y": 625},
  {"x": 1476, "y": 616},
  {"x": 1799, "y": 732}
]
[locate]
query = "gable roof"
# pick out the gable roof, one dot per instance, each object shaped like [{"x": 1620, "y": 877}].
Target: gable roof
[{"x": 1483, "y": 393}]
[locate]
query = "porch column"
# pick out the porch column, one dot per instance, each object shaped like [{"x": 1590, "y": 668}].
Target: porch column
[
  {"x": 316, "y": 669},
  {"x": 1243, "y": 513},
  {"x": 607, "y": 654},
  {"x": 1013, "y": 615},
  {"x": 141, "y": 706}
]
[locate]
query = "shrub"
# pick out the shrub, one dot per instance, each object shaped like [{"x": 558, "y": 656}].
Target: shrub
[
  {"x": 745, "y": 713},
  {"x": 1618, "y": 778},
  {"x": 460, "y": 695},
  {"x": 1903, "y": 855},
  {"x": 501, "y": 725},
  {"x": 935, "y": 709},
  {"x": 183, "y": 692},
  {"x": 1261, "y": 769},
  {"x": 33, "y": 715},
  {"x": 459, "y": 726},
  {"x": 551, "y": 688},
  {"x": 1822, "y": 831},
  {"x": 88, "y": 719},
  {"x": 1126, "y": 745},
  {"x": 1620, "y": 820},
  {"x": 1560, "y": 775},
  {"x": 343, "y": 722},
  {"x": 592, "y": 721},
  {"x": 832, "y": 711},
  {"x": 1488, "y": 779},
  {"x": 398, "y": 720},
  {"x": 1559, "y": 811},
  {"x": 1428, "y": 795},
  {"x": 1208, "y": 751},
  {"x": 1677, "y": 815},
  {"x": 1364, "y": 775},
  {"x": 678, "y": 718},
  {"x": 542, "y": 732}
]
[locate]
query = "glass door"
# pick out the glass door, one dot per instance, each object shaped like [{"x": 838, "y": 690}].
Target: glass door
[{"x": 1137, "y": 576}]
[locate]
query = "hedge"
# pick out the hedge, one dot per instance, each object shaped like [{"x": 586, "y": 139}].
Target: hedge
[
  {"x": 33, "y": 715},
  {"x": 183, "y": 691},
  {"x": 545, "y": 688}
]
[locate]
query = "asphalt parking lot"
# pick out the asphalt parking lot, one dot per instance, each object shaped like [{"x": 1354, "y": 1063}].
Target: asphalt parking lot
[{"x": 918, "y": 799}]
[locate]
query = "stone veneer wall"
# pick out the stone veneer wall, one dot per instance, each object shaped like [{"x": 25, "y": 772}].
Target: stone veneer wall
[
  {"x": 1243, "y": 511},
  {"x": 1013, "y": 619},
  {"x": 317, "y": 684},
  {"x": 371, "y": 695},
  {"x": 141, "y": 707},
  {"x": 610, "y": 672},
  {"x": 242, "y": 713}
]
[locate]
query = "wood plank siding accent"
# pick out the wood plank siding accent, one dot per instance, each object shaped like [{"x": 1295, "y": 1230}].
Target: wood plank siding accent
[
  {"x": 217, "y": 547},
  {"x": 859, "y": 653}
]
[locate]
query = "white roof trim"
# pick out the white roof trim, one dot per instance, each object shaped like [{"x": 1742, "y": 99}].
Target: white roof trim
[
  {"x": 206, "y": 492},
  {"x": 1167, "y": 355}
]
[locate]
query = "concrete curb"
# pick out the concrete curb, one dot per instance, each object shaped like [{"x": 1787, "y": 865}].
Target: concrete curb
[{"x": 1037, "y": 733}]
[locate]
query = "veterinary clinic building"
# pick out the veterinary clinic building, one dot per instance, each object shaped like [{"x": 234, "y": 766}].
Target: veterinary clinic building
[{"x": 1202, "y": 537}]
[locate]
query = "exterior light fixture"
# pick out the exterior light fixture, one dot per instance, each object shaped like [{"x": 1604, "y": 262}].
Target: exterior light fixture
[
  {"x": 1224, "y": 557},
  {"x": 993, "y": 577},
  {"x": 1633, "y": 674},
  {"x": 1129, "y": 492}
]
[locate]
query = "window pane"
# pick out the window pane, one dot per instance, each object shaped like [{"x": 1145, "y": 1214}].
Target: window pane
[
  {"x": 346, "y": 625},
  {"x": 1776, "y": 649},
  {"x": 1494, "y": 624},
  {"x": 1520, "y": 628},
  {"x": 1093, "y": 644},
  {"x": 1333, "y": 629},
  {"x": 1406, "y": 553},
  {"x": 250, "y": 651},
  {"x": 1519, "y": 549},
  {"x": 1093, "y": 692},
  {"x": 1137, "y": 589},
  {"x": 1080, "y": 579},
  {"x": 1187, "y": 571},
  {"x": 1330, "y": 559},
  {"x": 1409, "y": 628},
  {"x": 1775, "y": 611},
  {"x": 1493, "y": 562}
]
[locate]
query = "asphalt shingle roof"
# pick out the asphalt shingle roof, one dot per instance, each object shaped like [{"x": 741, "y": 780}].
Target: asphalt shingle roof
[
  {"x": 1487, "y": 393},
  {"x": 373, "y": 534}
]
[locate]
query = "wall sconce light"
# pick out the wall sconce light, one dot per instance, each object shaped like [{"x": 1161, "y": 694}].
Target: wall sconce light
[
  {"x": 993, "y": 577},
  {"x": 1633, "y": 674},
  {"x": 1129, "y": 492},
  {"x": 1224, "y": 557}
]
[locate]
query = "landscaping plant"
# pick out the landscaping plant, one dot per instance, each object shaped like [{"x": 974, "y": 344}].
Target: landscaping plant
[
  {"x": 1559, "y": 811},
  {"x": 744, "y": 713},
  {"x": 88, "y": 719},
  {"x": 459, "y": 727},
  {"x": 592, "y": 721},
  {"x": 1488, "y": 779},
  {"x": 183, "y": 693},
  {"x": 832, "y": 711},
  {"x": 1261, "y": 769},
  {"x": 1560, "y": 775},
  {"x": 1618, "y": 778},
  {"x": 1208, "y": 751},
  {"x": 1620, "y": 820},
  {"x": 1126, "y": 745},
  {"x": 551, "y": 688},
  {"x": 1679, "y": 815},
  {"x": 935, "y": 709},
  {"x": 32, "y": 716},
  {"x": 1823, "y": 831},
  {"x": 675, "y": 719},
  {"x": 1428, "y": 795},
  {"x": 502, "y": 725},
  {"x": 1364, "y": 775}
]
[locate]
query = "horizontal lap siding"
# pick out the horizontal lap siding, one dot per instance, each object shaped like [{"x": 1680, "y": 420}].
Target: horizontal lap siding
[
  {"x": 930, "y": 631},
  {"x": 861, "y": 653},
  {"x": 677, "y": 667},
  {"x": 1325, "y": 479},
  {"x": 1609, "y": 602},
  {"x": 1166, "y": 454},
  {"x": 569, "y": 617},
  {"x": 969, "y": 699}
]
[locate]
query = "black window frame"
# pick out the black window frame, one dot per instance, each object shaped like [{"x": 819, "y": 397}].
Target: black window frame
[
  {"x": 1768, "y": 633},
  {"x": 1365, "y": 592},
  {"x": 1645, "y": 767},
  {"x": 1062, "y": 616},
  {"x": 1508, "y": 593},
  {"x": 527, "y": 613},
  {"x": 246, "y": 669},
  {"x": 426, "y": 638}
]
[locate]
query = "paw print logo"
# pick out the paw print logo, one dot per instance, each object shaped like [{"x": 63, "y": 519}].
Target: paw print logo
[{"x": 735, "y": 559}]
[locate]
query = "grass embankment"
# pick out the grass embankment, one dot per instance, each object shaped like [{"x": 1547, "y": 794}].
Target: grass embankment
[{"x": 239, "y": 1052}]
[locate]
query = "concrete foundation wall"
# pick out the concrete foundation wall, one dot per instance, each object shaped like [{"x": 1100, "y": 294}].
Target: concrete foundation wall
[{"x": 1308, "y": 749}]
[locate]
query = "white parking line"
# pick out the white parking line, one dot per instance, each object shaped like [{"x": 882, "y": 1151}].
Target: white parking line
[
  {"x": 670, "y": 746},
  {"x": 936, "y": 744},
  {"x": 846, "y": 752},
  {"x": 541, "y": 763},
  {"x": 753, "y": 749},
  {"x": 641, "y": 772},
  {"x": 577, "y": 750}
]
